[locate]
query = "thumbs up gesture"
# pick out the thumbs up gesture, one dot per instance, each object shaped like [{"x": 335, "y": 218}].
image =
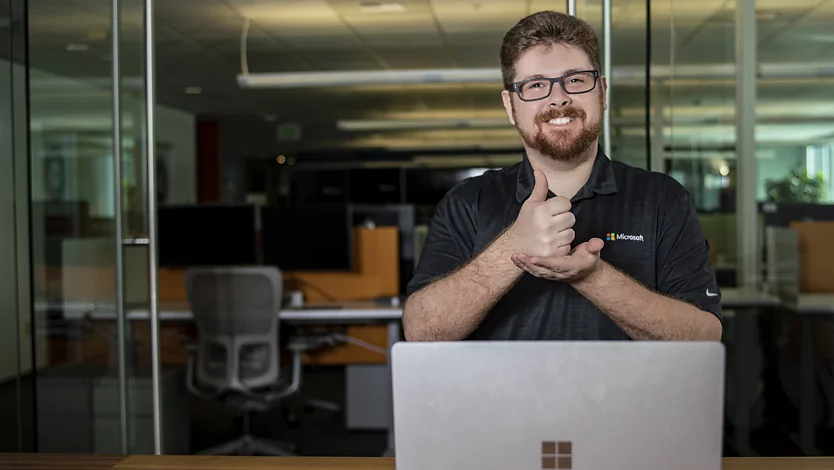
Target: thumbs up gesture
[
  {"x": 544, "y": 226},
  {"x": 542, "y": 236}
]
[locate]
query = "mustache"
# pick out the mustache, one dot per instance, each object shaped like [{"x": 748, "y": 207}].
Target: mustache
[{"x": 564, "y": 112}]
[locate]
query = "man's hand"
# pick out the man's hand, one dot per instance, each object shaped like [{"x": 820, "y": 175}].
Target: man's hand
[
  {"x": 577, "y": 265},
  {"x": 543, "y": 227}
]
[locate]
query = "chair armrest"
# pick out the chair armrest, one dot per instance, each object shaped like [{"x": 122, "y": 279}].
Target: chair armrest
[
  {"x": 306, "y": 343},
  {"x": 294, "y": 385}
]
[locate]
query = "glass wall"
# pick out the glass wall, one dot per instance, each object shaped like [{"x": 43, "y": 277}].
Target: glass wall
[
  {"x": 383, "y": 153},
  {"x": 90, "y": 263},
  {"x": 16, "y": 329},
  {"x": 794, "y": 137},
  {"x": 778, "y": 361}
]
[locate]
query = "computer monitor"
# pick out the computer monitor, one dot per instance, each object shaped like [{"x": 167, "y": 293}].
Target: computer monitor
[
  {"x": 781, "y": 214},
  {"x": 307, "y": 237},
  {"x": 206, "y": 235},
  {"x": 497, "y": 405}
]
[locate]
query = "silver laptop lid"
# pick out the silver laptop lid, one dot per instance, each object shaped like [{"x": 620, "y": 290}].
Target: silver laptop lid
[{"x": 575, "y": 405}]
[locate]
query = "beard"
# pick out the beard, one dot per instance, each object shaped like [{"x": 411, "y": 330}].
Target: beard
[{"x": 559, "y": 144}]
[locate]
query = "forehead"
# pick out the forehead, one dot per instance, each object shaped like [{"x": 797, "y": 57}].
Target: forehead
[{"x": 551, "y": 61}]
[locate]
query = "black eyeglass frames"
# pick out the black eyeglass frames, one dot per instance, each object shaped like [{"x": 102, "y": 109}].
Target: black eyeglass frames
[{"x": 540, "y": 88}]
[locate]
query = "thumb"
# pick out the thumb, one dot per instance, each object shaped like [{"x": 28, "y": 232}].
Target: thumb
[
  {"x": 592, "y": 246},
  {"x": 539, "y": 193}
]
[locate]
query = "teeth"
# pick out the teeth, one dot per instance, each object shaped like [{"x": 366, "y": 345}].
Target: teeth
[{"x": 560, "y": 121}]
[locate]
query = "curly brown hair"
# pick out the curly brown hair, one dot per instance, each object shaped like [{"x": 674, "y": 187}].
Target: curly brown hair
[{"x": 545, "y": 28}]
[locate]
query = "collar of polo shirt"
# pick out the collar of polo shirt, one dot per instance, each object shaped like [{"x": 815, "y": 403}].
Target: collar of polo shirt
[{"x": 601, "y": 181}]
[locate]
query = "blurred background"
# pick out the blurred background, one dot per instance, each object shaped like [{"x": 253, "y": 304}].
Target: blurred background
[{"x": 312, "y": 139}]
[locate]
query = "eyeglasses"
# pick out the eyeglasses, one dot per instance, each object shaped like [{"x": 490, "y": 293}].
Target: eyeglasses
[{"x": 574, "y": 83}]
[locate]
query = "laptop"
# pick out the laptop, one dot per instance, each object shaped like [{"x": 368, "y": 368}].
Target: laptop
[{"x": 558, "y": 405}]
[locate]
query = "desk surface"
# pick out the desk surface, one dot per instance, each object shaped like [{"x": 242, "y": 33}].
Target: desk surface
[
  {"x": 143, "y": 462},
  {"x": 816, "y": 304},
  {"x": 180, "y": 311},
  {"x": 732, "y": 297}
]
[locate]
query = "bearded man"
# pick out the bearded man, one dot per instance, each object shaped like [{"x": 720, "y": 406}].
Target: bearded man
[{"x": 566, "y": 244}]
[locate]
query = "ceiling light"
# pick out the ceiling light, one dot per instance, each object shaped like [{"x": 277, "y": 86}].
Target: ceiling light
[
  {"x": 97, "y": 34},
  {"x": 193, "y": 90},
  {"x": 349, "y": 125},
  {"x": 622, "y": 75},
  {"x": 77, "y": 47},
  {"x": 766, "y": 15},
  {"x": 368, "y": 78},
  {"x": 381, "y": 7}
]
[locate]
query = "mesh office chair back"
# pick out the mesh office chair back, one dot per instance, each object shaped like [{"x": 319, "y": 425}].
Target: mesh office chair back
[{"x": 236, "y": 311}]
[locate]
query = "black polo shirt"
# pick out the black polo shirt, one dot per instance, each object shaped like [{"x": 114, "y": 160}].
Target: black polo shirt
[{"x": 648, "y": 223}]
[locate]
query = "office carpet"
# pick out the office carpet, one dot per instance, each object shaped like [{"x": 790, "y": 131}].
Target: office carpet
[{"x": 316, "y": 432}]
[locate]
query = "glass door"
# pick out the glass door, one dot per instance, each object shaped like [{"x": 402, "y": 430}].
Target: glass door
[
  {"x": 15, "y": 323},
  {"x": 92, "y": 237}
]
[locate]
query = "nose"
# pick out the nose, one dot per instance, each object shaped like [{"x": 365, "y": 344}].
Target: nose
[{"x": 558, "y": 98}]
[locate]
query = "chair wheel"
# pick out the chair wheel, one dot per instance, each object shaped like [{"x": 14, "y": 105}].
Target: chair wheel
[{"x": 291, "y": 418}]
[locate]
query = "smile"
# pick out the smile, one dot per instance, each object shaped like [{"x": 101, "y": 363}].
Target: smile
[{"x": 560, "y": 121}]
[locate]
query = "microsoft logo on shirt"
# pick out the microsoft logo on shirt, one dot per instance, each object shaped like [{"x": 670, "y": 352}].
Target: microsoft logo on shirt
[{"x": 621, "y": 236}]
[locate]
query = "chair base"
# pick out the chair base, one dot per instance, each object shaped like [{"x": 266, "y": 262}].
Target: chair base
[
  {"x": 251, "y": 445},
  {"x": 316, "y": 403}
]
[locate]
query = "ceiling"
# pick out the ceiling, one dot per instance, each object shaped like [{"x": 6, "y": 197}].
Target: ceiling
[{"x": 198, "y": 44}]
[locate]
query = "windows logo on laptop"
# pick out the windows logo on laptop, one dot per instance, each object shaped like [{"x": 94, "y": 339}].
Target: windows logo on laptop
[{"x": 557, "y": 454}]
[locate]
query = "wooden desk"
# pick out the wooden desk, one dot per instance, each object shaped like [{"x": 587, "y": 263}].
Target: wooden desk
[{"x": 147, "y": 462}]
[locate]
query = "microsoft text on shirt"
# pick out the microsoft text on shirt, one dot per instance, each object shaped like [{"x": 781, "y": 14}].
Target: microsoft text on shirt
[{"x": 622, "y": 236}]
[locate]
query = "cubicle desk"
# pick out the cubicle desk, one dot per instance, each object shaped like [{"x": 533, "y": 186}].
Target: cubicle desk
[
  {"x": 164, "y": 462},
  {"x": 745, "y": 298},
  {"x": 809, "y": 307},
  {"x": 343, "y": 313},
  {"x": 357, "y": 315},
  {"x": 327, "y": 312},
  {"x": 746, "y": 304}
]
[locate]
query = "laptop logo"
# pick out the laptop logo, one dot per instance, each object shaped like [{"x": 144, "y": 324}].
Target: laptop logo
[{"x": 557, "y": 454}]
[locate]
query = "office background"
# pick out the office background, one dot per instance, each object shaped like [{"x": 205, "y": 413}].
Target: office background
[{"x": 274, "y": 143}]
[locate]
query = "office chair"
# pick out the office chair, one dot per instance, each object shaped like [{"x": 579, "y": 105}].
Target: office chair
[{"x": 236, "y": 359}]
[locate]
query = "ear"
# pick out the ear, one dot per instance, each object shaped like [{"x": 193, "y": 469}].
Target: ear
[
  {"x": 508, "y": 105},
  {"x": 603, "y": 84}
]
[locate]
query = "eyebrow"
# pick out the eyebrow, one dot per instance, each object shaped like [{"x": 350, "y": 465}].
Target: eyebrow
[{"x": 540, "y": 76}]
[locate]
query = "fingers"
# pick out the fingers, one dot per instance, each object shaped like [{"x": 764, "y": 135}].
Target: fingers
[
  {"x": 558, "y": 205},
  {"x": 595, "y": 245},
  {"x": 525, "y": 263},
  {"x": 560, "y": 264},
  {"x": 562, "y": 222},
  {"x": 591, "y": 247},
  {"x": 562, "y": 243}
]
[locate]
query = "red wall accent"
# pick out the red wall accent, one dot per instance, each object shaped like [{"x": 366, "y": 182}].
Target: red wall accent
[{"x": 208, "y": 161}]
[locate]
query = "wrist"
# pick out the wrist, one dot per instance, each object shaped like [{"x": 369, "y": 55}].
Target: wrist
[{"x": 594, "y": 279}]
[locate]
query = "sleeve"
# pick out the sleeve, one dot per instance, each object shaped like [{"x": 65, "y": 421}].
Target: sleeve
[
  {"x": 450, "y": 240},
  {"x": 683, "y": 265}
]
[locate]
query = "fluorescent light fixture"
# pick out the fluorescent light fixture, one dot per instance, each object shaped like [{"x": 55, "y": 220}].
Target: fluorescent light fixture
[
  {"x": 419, "y": 124},
  {"x": 193, "y": 90},
  {"x": 77, "y": 47},
  {"x": 622, "y": 75},
  {"x": 368, "y": 78},
  {"x": 381, "y": 7}
]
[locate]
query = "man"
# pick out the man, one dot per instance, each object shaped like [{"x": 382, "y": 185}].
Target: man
[{"x": 518, "y": 253}]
